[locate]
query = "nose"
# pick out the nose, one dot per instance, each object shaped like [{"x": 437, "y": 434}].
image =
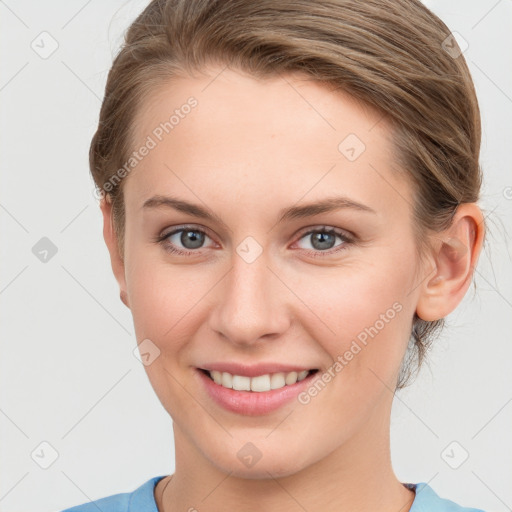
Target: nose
[{"x": 252, "y": 303}]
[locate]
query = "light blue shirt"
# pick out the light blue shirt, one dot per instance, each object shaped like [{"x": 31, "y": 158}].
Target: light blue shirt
[{"x": 143, "y": 500}]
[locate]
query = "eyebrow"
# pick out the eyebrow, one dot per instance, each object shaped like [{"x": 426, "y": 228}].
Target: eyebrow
[{"x": 328, "y": 204}]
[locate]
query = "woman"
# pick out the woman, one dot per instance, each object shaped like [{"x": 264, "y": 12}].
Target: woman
[{"x": 289, "y": 193}]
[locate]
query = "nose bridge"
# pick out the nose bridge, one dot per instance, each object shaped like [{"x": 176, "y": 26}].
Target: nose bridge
[{"x": 248, "y": 307}]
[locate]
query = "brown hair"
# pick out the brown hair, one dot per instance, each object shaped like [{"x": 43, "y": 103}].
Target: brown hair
[{"x": 393, "y": 55}]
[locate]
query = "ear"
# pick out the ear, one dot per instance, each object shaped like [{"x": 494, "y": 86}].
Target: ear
[
  {"x": 455, "y": 257},
  {"x": 110, "y": 238}
]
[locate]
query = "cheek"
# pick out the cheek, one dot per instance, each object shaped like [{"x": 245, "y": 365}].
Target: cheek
[
  {"x": 356, "y": 295},
  {"x": 164, "y": 302},
  {"x": 363, "y": 316},
  {"x": 160, "y": 293},
  {"x": 168, "y": 304}
]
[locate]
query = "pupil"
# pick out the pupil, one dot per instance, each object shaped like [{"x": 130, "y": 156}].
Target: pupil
[
  {"x": 196, "y": 239},
  {"x": 320, "y": 237}
]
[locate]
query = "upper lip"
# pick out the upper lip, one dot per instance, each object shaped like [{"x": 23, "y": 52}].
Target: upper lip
[{"x": 254, "y": 370}]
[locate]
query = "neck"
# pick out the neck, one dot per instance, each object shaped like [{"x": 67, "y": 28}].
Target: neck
[{"x": 357, "y": 476}]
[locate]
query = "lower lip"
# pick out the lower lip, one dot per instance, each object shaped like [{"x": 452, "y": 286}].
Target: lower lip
[{"x": 253, "y": 403}]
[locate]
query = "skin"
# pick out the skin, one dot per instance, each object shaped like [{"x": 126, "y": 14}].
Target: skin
[{"x": 249, "y": 149}]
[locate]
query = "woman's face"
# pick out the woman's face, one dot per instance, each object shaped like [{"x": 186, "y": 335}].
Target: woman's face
[{"x": 267, "y": 278}]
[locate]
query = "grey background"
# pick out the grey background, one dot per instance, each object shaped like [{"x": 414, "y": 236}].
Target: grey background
[{"x": 68, "y": 374}]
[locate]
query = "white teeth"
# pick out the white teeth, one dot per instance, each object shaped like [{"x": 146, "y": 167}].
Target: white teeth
[
  {"x": 260, "y": 383},
  {"x": 277, "y": 380},
  {"x": 241, "y": 383},
  {"x": 227, "y": 380},
  {"x": 291, "y": 378},
  {"x": 302, "y": 375}
]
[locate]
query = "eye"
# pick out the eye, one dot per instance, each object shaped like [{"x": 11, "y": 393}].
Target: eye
[
  {"x": 322, "y": 240},
  {"x": 189, "y": 237}
]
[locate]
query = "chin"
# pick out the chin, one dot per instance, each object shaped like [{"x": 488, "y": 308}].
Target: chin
[{"x": 252, "y": 463}]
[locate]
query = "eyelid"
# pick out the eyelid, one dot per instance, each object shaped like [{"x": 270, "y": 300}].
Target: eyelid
[
  {"x": 327, "y": 227},
  {"x": 184, "y": 227}
]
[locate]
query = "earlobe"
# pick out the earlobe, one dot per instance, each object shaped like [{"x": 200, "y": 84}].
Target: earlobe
[
  {"x": 456, "y": 255},
  {"x": 111, "y": 241},
  {"x": 124, "y": 298}
]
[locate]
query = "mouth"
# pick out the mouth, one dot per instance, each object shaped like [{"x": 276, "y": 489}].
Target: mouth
[
  {"x": 257, "y": 394},
  {"x": 257, "y": 384}
]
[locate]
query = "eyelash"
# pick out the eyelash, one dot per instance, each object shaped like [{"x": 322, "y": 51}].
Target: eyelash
[{"x": 163, "y": 240}]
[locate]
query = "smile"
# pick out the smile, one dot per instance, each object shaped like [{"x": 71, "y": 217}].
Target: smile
[{"x": 260, "y": 383}]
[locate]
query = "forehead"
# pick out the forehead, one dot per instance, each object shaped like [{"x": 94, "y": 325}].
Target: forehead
[
  {"x": 273, "y": 105},
  {"x": 232, "y": 133}
]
